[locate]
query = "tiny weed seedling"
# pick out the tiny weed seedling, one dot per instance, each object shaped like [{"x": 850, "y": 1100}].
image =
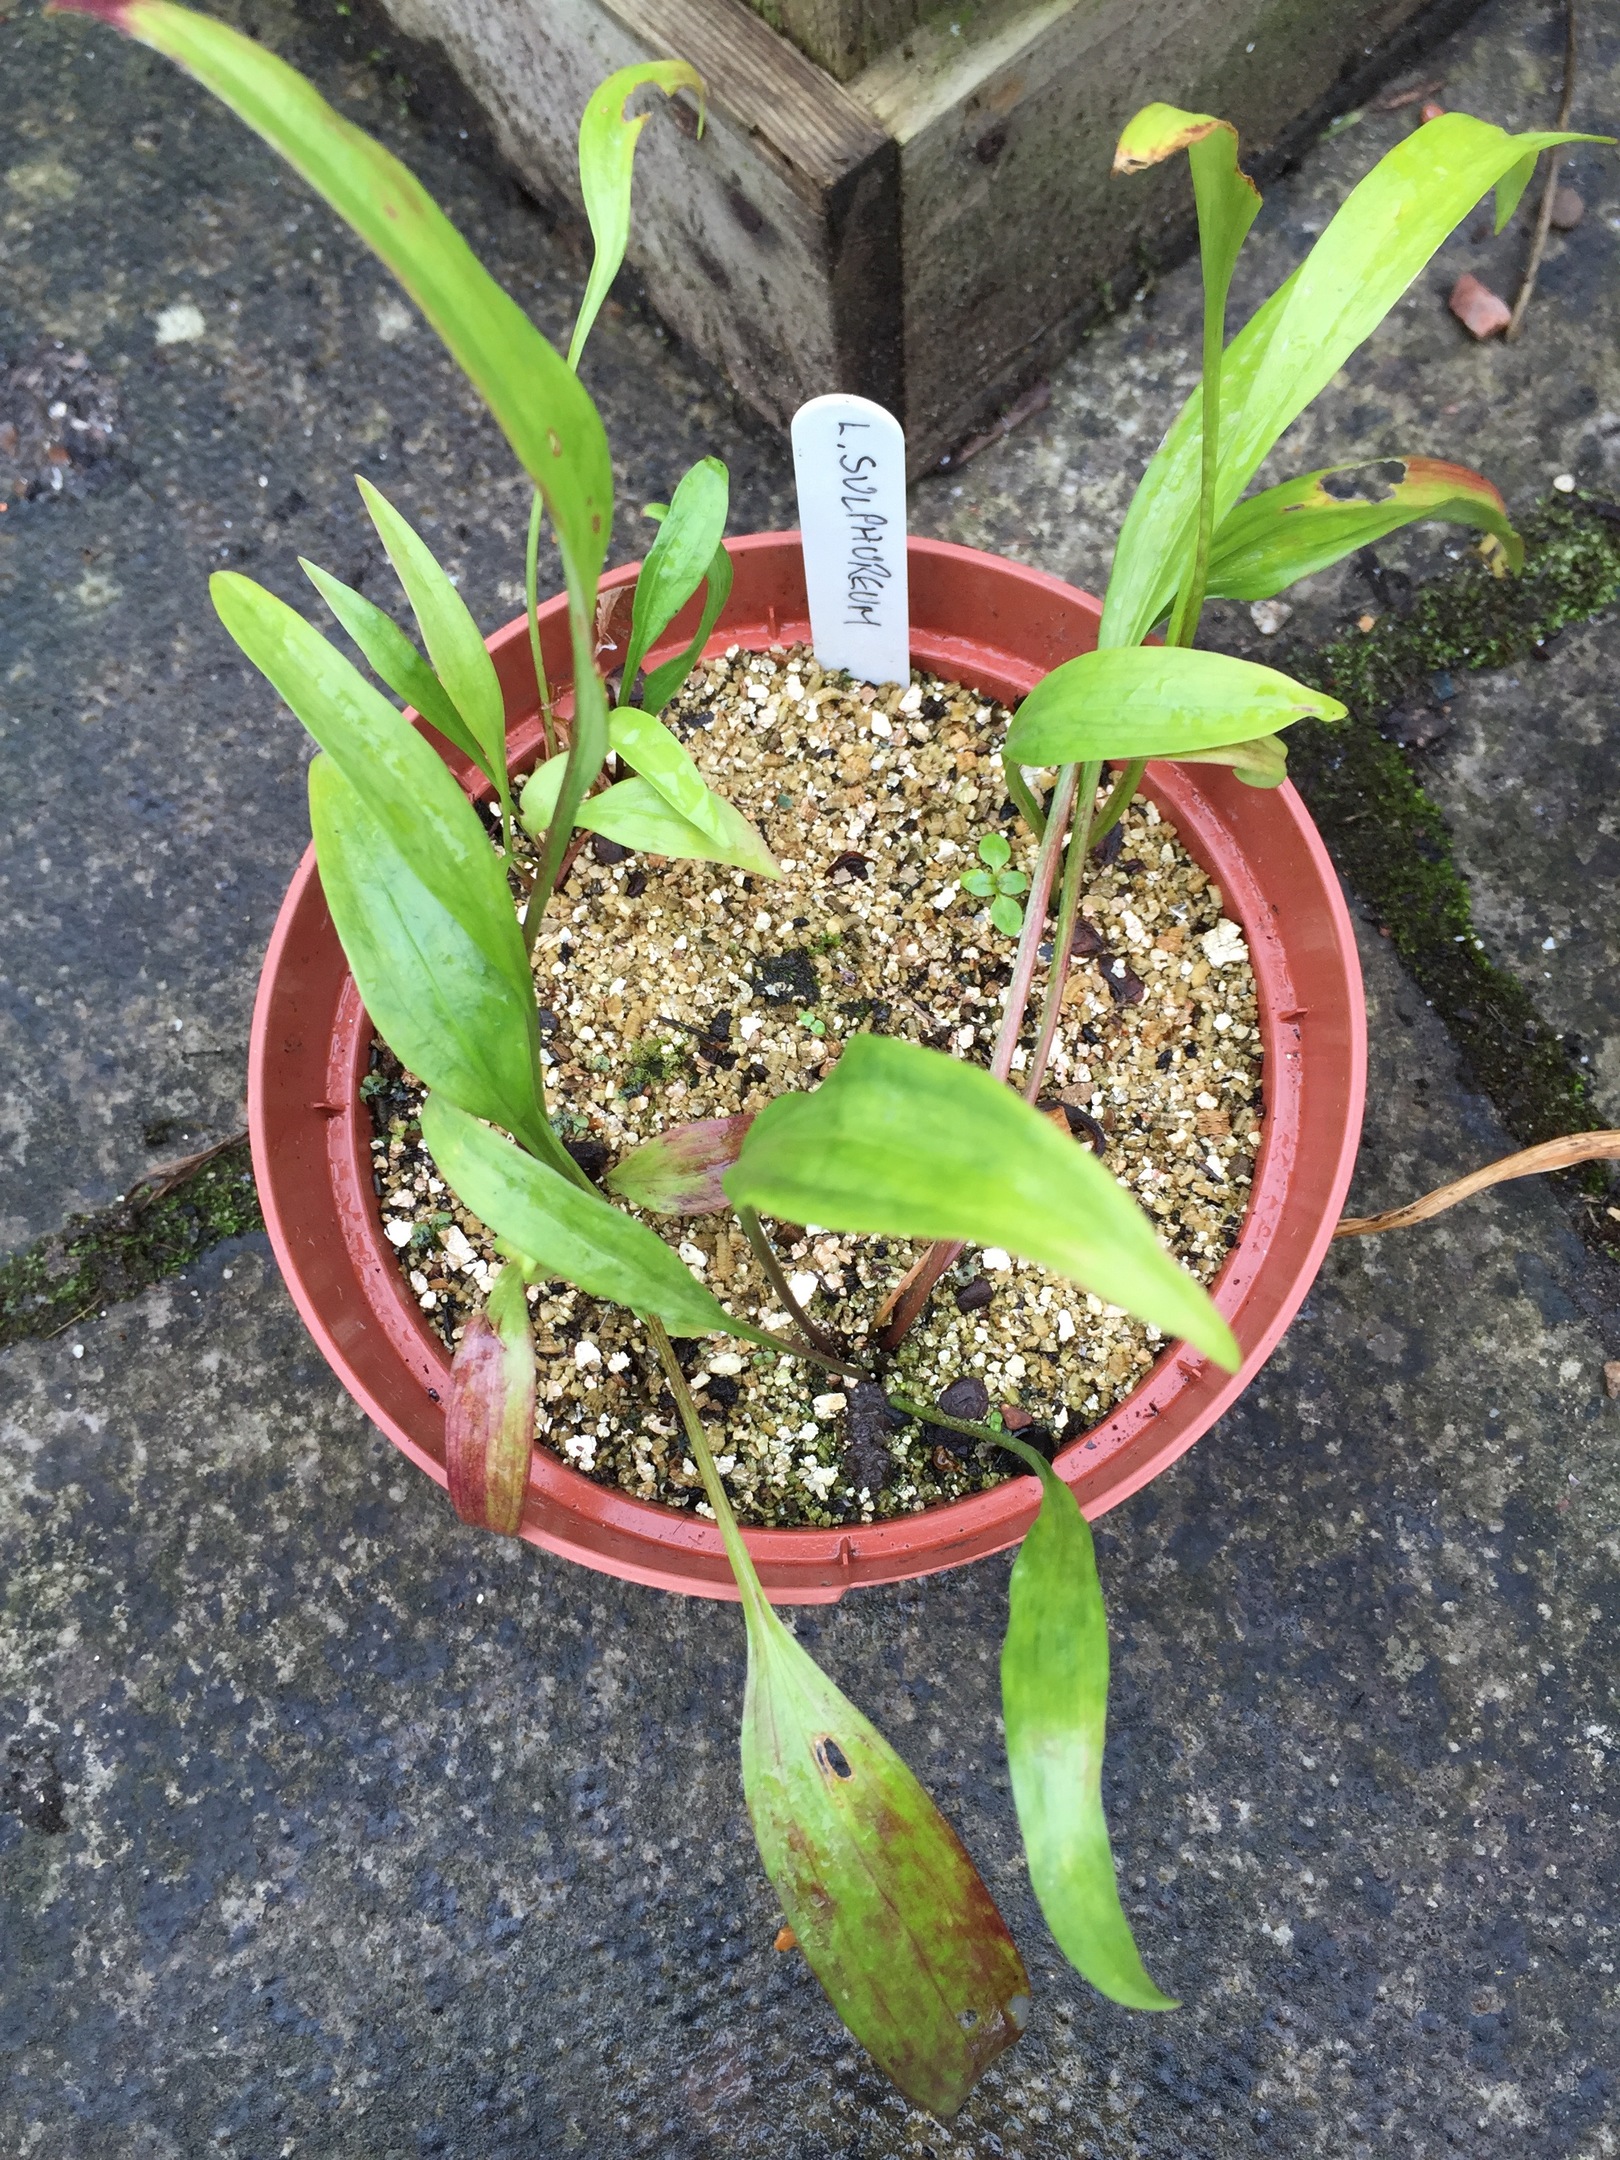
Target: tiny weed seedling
[{"x": 438, "y": 924}]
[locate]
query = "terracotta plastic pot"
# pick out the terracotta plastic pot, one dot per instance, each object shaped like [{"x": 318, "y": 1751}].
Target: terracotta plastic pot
[{"x": 998, "y": 627}]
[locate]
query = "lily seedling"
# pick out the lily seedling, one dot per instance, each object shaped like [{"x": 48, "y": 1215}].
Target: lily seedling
[{"x": 438, "y": 924}]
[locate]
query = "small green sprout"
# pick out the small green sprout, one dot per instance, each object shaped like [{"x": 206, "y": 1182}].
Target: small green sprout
[
  {"x": 999, "y": 885},
  {"x": 813, "y": 1022}
]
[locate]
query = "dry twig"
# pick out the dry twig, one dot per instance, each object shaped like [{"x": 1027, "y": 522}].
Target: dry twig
[
  {"x": 1551, "y": 1155},
  {"x": 1555, "y": 159}
]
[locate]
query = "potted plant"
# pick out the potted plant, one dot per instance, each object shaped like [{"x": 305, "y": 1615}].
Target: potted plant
[{"x": 423, "y": 925}]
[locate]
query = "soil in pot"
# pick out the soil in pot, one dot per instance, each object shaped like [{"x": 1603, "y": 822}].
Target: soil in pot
[{"x": 675, "y": 991}]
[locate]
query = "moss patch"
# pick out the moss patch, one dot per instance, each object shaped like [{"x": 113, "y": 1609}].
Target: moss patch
[
  {"x": 98, "y": 1260},
  {"x": 1392, "y": 842}
]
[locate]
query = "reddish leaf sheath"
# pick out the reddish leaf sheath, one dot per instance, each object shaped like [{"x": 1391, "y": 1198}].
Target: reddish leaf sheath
[
  {"x": 489, "y": 1416},
  {"x": 679, "y": 1172}
]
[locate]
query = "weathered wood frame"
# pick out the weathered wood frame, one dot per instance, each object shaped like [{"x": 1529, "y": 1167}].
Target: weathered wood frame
[{"x": 934, "y": 233}]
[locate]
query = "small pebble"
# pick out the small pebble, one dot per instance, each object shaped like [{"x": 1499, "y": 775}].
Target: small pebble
[
  {"x": 1268, "y": 616},
  {"x": 1477, "y": 308},
  {"x": 1568, "y": 208}
]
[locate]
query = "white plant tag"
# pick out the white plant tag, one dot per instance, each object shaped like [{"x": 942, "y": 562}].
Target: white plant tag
[{"x": 849, "y": 460}]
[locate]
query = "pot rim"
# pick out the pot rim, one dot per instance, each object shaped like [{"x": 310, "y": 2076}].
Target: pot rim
[{"x": 301, "y": 1147}]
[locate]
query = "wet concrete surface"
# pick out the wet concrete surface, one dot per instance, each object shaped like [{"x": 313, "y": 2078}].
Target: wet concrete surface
[
  {"x": 329, "y": 1828},
  {"x": 334, "y": 1828}
]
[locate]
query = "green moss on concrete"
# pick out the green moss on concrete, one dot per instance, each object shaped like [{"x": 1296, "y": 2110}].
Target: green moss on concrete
[
  {"x": 99, "y": 1259},
  {"x": 1392, "y": 842}
]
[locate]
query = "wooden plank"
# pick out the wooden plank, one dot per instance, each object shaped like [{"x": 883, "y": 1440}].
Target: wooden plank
[
  {"x": 842, "y": 36},
  {"x": 1015, "y": 232},
  {"x": 772, "y": 243}
]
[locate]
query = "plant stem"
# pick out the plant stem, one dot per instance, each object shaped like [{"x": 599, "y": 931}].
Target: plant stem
[
  {"x": 748, "y": 1582},
  {"x": 1119, "y": 801},
  {"x": 1190, "y": 600},
  {"x": 531, "y": 591},
  {"x": 765, "y": 1253},
  {"x": 992, "y": 1434},
  {"x": 919, "y": 1282},
  {"x": 1074, "y": 865},
  {"x": 1023, "y": 795}
]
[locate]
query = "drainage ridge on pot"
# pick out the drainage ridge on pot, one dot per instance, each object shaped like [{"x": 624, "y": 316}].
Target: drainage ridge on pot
[{"x": 998, "y": 627}]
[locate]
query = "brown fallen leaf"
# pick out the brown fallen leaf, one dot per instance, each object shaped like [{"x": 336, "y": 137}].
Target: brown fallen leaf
[{"x": 1477, "y": 308}]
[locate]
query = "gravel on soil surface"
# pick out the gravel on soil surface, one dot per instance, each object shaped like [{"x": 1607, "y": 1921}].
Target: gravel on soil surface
[{"x": 677, "y": 991}]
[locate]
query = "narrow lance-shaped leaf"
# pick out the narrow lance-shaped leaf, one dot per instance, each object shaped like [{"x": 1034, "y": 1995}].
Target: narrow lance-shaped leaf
[
  {"x": 662, "y": 682},
  {"x": 1380, "y": 238},
  {"x": 404, "y": 783},
  {"x": 679, "y": 1171},
  {"x": 888, "y": 1909},
  {"x": 395, "y": 659},
  {"x": 489, "y": 1410},
  {"x": 906, "y": 1142},
  {"x": 683, "y": 548},
  {"x": 1303, "y": 525},
  {"x": 1054, "y": 1703},
  {"x": 570, "y": 1231},
  {"x": 455, "y": 644},
  {"x": 1156, "y": 701},
  {"x": 637, "y": 816},
  {"x": 1228, "y": 203},
  {"x": 446, "y": 1010},
  {"x": 607, "y": 155}
]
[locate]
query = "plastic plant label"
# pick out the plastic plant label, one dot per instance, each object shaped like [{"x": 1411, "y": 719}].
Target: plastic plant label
[{"x": 849, "y": 460}]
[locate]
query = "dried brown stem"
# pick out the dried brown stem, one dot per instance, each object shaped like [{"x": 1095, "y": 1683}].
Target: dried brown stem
[
  {"x": 1530, "y": 1162},
  {"x": 1538, "y": 241},
  {"x": 158, "y": 1183}
]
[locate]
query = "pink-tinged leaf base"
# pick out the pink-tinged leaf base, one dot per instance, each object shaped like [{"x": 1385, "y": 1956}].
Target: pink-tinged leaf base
[
  {"x": 680, "y": 1172},
  {"x": 489, "y": 1413}
]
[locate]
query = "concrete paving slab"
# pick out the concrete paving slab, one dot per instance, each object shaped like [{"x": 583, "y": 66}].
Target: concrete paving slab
[
  {"x": 1526, "y": 780},
  {"x": 256, "y": 356},
  {"x": 330, "y": 1827}
]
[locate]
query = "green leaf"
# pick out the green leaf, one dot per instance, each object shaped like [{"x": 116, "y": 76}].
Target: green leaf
[
  {"x": 607, "y": 155},
  {"x": 489, "y": 1410},
  {"x": 1287, "y": 532},
  {"x": 679, "y": 1172},
  {"x": 405, "y": 784},
  {"x": 1006, "y": 915},
  {"x": 455, "y": 645},
  {"x": 1156, "y": 701},
  {"x": 451, "y": 1014},
  {"x": 1012, "y": 881},
  {"x": 978, "y": 882},
  {"x": 669, "y": 776},
  {"x": 540, "y": 407},
  {"x": 995, "y": 849},
  {"x": 905, "y": 1142},
  {"x": 678, "y": 560},
  {"x": 395, "y": 659},
  {"x": 1295, "y": 344},
  {"x": 888, "y": 1909},
  {"x": 568, "y": 1231},
  {"x": 663, "y": 682},
  {"x": 637, "y": 816},
  {"x": 1054, "y": 1702},
  {"x": 1261, "y": 763}
]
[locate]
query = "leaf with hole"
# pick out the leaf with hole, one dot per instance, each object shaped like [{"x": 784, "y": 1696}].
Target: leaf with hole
[
  {"x": 888, "y": 1909},
  {"x": 1054, "y": 1703},
  {"x": 568, "y": 1230},
  {"x": 607, "y": 155},
  {"x": 489, "y": 1410},
  {"x": 1290, "y": 531},
  {"x": 1156, "y": 701},
  {"x": 679, "y": 1171},
  {"x": 905, "y": 1142}
]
